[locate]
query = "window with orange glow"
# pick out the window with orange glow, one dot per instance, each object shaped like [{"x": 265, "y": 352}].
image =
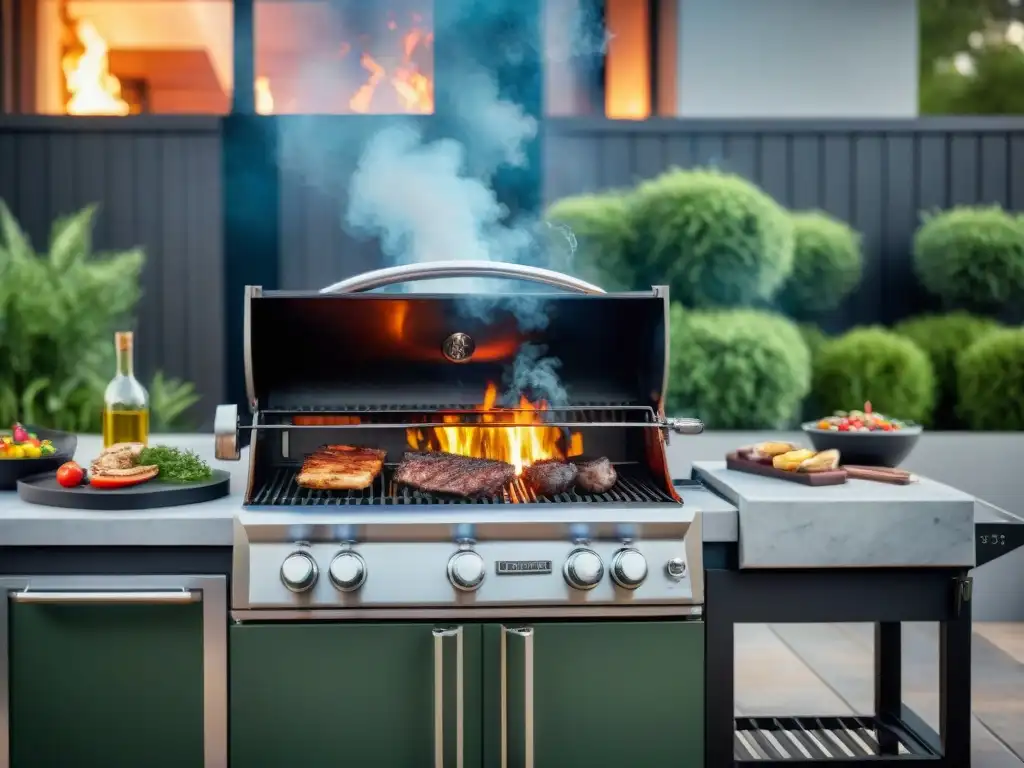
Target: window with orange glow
[
  {"x": 119, "y": 57},
  {"x": 615, "y": 67},
  {"x": 342, "y": 58}
]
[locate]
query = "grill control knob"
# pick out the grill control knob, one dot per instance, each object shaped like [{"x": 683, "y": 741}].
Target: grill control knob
[
  {"x": 466, "y": 570},
  {"x": 347, "y": 571},
  {"x": 583, "y": 569},
  {"x": 676, "y": 568},
  {"x": 629, "y": 568},
  {"x": 299, "y": 572}
]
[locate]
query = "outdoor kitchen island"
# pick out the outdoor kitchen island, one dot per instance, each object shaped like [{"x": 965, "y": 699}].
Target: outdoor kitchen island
[{"x": 163, "y": 668}]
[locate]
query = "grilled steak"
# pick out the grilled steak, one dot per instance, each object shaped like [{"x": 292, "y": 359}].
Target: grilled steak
[
  {"x": 454, "y": 475},
  {"x": 550, "y": 477},
  {"x": 340, "y": 468},
  {"x": 117, "y": 456},
  {"x": 596, "y": 475}
]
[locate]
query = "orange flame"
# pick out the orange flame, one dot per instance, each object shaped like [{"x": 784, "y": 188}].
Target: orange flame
[
  {"x": 264, "y": 96},
  {"x": 529, "y": 441},
  {"x": 413, "y": 86},
  {"x": 93, "y": 90}
]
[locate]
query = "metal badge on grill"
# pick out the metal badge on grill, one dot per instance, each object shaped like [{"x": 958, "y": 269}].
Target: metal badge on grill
[
  {"x": 459, "y": 347},
  {"x": 521, "y": 567}
]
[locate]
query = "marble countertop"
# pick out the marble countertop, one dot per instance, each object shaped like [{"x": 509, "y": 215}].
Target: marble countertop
[{"x": 211, "y": 524}]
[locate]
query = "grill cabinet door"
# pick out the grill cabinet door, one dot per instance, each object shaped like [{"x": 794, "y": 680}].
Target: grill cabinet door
[
  {"x": 113, "y": 677},
  {"x": 343, "y": 695},
  {"x": 599, "y": 694}
]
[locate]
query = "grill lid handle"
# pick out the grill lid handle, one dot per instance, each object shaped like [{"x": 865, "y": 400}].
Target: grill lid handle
[{"x": 435, "y": 270}]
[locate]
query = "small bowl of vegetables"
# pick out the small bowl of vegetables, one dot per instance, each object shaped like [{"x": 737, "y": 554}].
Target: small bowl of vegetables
[
  {"x": 27, "y": 450},
  {"x": 864, "y": 437}
]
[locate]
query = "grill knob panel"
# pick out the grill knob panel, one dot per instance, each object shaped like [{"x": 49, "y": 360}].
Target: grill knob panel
[
  {"x": 466, "y": 570},
  {"x": 299, "y": 572},
  {"x": 583, "y": 569},
  {"x": 629, "y": 568},
  {"x": 347, "y": 571}
]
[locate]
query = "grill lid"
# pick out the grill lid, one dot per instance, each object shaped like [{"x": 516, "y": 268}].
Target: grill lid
[{"x": 312, "y": 350}]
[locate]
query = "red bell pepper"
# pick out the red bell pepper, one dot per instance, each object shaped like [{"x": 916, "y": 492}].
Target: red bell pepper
[{"x": 104, "y": 483}]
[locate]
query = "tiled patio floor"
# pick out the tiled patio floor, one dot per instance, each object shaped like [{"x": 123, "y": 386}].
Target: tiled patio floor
[{"x": 826, "y": 669}]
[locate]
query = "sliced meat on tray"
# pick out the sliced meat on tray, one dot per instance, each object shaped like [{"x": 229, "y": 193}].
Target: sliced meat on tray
[
  {"x": 550, "y": 477},
  {"x": 454, "y": 475},
  {"x": 596, "y": 475},
  {"x": 341, "y": 468}
]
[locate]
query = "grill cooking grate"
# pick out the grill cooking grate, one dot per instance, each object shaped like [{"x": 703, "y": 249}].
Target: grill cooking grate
[
  {"x": 282, "y": 490},
  {"x": 582, "y": 414},
  {"x": 839, "y": 739}
]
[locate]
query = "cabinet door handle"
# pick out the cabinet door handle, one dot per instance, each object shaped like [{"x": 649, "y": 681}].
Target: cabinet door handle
[
  {"x": 440, "y": 635},
  {"x": 139, "y": 597},
  {"x": 526, "y": 635}
]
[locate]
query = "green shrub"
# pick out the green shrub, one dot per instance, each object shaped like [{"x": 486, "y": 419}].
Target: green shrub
[
  {"x": 603, "y": 230},
  {"x": 813, "y": 337},
  {"x": 972, "y": 258},
  {"x": 737, "y": 369},
  {"x": 990, "y": 382},
  {"x": 943, "y": 338},
  {"x": 58, "y": 311},
  {"x": 827, "y": 264},
  {"x": 877, "y": 365},
  {"x": 717, "y": 239}
]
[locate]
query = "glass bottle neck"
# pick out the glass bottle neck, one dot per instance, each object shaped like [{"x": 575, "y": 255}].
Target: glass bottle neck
[{"x": 125, "y": 366}]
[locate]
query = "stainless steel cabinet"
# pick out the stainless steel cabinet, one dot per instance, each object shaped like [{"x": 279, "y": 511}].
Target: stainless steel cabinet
[{"x": 113, "y": 672}]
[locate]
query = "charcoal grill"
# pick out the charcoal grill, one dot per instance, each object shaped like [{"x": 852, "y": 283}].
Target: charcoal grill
[{"x": 353, "y": 366}]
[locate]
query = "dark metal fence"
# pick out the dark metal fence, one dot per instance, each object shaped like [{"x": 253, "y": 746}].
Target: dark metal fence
[{"x": 159, "y": 181}]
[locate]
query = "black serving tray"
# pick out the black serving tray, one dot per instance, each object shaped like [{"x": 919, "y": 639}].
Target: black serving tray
[{"x": 44, "y": 490}]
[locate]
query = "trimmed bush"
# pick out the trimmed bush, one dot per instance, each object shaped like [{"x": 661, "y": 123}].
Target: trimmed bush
[
  {"x": 603, "y": 229},
  {"x": 990, "y": 382},
  {"x": 943, "y": 338},
  {"x": 877, "y": 365},
  {"x": 717, "y": 239},
  {"x": 738, "y": 369},
  {"x": 813, "y": 337},
  {"x": 972, "y": 258},
  {"x": 827, "y": 264}
]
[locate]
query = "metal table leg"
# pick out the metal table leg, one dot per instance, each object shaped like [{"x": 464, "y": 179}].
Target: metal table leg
[
  {"x": 888, "y": 679},
  {"x": 955, "y": 680}
]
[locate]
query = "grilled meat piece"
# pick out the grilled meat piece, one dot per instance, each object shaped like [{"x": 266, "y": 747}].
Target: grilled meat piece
[
  {"x": 147, "y": 471},
  {"x": 117, "y": 456},
  {"x": 550, "y": 477},
  {"x": 341, "y": 468},
  {"x": 596, "y": 475},
  {"x": 454, "y": 475}
]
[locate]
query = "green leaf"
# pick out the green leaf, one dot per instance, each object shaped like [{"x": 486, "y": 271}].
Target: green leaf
[
  {"x": 71, "y": 238},
  {"x": 169, "y": 401}
]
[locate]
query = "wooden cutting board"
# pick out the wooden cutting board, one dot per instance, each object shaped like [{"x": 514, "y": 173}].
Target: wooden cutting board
[{"x": 833, "y": 477}]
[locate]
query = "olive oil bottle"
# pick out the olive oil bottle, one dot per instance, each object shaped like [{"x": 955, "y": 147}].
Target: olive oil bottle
[{"x": 125, "y": 402}]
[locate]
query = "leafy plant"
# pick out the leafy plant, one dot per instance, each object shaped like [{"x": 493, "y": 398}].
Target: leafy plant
[
  {"x": 990, "y": 382},
  {"x": 943, "y": 338},
  {"x": 58, "y": 310},
  {"x": 827, "y": 264},
  {"x": 603, "y": 230},
  {"x": 877, "y": 365},
  {"x": 972, "y": 258},
  {"x": 718, "y": 239},
  {"x": 737, "y": 369},
  {"x": 169, "y": 402}
]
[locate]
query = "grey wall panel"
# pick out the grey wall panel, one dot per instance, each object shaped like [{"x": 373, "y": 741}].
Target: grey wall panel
[{"x": 158, "y": 184}]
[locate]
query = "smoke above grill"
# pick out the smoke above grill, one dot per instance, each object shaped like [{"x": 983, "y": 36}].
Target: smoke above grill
[{"x": 428, "y": 194}]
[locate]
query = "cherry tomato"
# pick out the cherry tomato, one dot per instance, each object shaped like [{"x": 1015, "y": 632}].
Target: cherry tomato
[
  {"x": 844, "y": 427},
  {"x": 70, "y": 475}
]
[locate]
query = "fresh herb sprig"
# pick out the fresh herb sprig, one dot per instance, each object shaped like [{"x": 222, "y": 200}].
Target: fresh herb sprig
[{"x": 176, "y": 465}]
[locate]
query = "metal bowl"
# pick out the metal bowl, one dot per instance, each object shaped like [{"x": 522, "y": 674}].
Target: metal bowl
[
  {"x": 869, "y": 449},
  {"x": 13, "y": 470}
]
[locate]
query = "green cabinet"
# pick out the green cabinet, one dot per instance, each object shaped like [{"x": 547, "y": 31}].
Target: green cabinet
[
  {"x": 350, "y": 695},
  {"x": 398, "y": 695},
  {"x": 111, "y": 672},
  {"x": 599, "y": 694}
]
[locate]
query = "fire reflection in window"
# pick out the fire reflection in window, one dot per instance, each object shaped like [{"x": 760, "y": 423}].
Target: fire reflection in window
[
  {"x": 119, "y": 57},
  {"x": 354, "y": 57}
]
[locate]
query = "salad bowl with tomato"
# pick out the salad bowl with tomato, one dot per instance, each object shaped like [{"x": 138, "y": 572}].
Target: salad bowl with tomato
[
  {"x": 29, "y": 450},
  {"x": 864, "y": 437}
]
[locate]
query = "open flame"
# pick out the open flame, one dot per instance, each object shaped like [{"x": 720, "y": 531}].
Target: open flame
[
  {"x": 408, "y": 72},
  {"x": 91, "y": 87},
  {"x": 264, "y": 96},
  {"x": 529, "y": 441}
]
